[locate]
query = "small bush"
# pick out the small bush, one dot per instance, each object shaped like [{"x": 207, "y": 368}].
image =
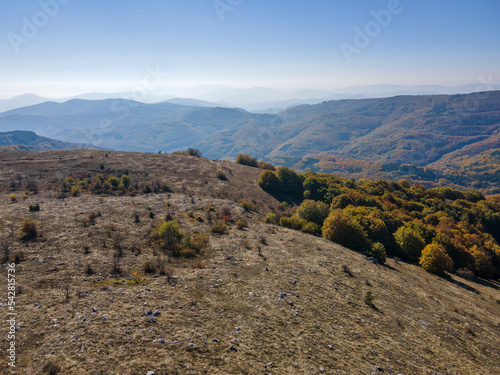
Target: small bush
[
  {"x": 347, "y": 271},
  {"x": 247, "y": 160},
  {"x": 271, "y": 218},
  {"x": 249, "y": 206},
  {"x": 369, "y": 299},
  {"x": 149, "y": 266},
  {"x": 221, "y": 175},
  {"x": 13, "y": 197},
  {"x": 199, "y": 241},
  {"x": 188, "y": 252},
  {"x": 198, "y": 265},
  {"x": 165, "y": 188},
  {"x": 292, "y": 222},
  {"x": 169, "y": 272},
  {"x": 378, "y": 252},
  {"x": 435, "y": 260},
  {"x": 193, "y": 152},
  {"x": 267, "y": 166},
  {"x": 76, "y": 191},
  {"x": 219, "y": 227},
  {"x": 29, "y": 229},
  {"x": 241, "y": 224},
  {"x": 311, "y": 228},
  {"x": 51, "y": 368},
  {"x": 170, "y": 233},
  {"x": 89, "y": 270}
]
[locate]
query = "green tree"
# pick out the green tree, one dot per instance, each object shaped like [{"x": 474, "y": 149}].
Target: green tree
[
  {"x": 291, "y": 183},
  {"x": 410, "y": 242},
  {"x": 269, "y": 182},
  {"x": 313, "y": 211},
  {"x": 435, "y": 260},
  {"x": 342, "y": 229}
]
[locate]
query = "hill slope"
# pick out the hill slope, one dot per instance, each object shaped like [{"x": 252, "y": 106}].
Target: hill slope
[
  {"x": 421, "y": 130},
  {"x": 27, "y": 140},
  {"x": 254, "y": 301}
]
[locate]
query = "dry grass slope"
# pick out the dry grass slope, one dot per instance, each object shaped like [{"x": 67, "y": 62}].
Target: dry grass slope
[{"x": 281, "y": 299}]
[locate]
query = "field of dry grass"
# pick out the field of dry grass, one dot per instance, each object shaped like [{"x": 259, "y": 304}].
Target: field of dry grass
[{"x": 262, "y": 300}]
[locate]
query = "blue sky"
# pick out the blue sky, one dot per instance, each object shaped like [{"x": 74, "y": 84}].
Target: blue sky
[{"x": 91, "y": 45}]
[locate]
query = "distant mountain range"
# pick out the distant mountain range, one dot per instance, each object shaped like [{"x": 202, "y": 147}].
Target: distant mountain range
[
  {"x": 27, "y": 140},
  {"x": 425, "y": 130},
  {"x": 259, "y": 99}
]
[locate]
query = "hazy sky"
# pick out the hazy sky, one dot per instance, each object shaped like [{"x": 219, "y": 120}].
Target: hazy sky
[{"x": 73, "y": 46}]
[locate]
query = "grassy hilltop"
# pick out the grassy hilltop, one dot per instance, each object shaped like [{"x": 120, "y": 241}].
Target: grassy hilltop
[{"x": 134, "y": 262}]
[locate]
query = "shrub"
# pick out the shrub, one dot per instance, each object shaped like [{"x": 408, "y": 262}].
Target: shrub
[
  {"x": 316, "y": 212},
  {"x": 410, "y": 242},
  {"x": 249, "y": 206},
  {"x": 219, "y": 227},
  {"x": 164, "y": 187},
  {"x": 76, "y": 191},
  {"x": 311, "y": 228},
  {"x": 149, "y": 266},
  {"x": 269, "y": 182},
  {"x": 378, "y": 252},
  {"x": 267, "y": 166},
  {"x": 89, "y": 270},
  {"x": 247, "y": 160},
  {"x": 13, "y": 197},
  {"x": 188, "y": 252},
  {"x": 221, "y": 175},
  {"x": 51, "y": 368},
  {"x": 114, "y": 182},
  {"x": 29, "y": 229},
  {"x": 169, "y": 232},
  {"x": 369, "y": 299},
  {"x": 342, "y": 229},
  {"x": 240, "y": 224},
  {"x": 126, "y": 181},
  {"x": 292, "y": 222},
  {"x": 435, "y": 260},
  {"x": 193, "y": 152},
  {"x": 198, "y": 265},
  {"x": 347, "y": 271},
  {"x": 199, "y": 241},
  {"x": 271, "y": 218}
]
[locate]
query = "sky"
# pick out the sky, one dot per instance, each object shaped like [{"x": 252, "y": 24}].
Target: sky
[{"x": 66, "y": 47}]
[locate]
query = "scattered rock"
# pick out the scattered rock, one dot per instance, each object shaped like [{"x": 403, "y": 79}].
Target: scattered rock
[
  {"x": 94, "y": 309},
  {"x": 233, "y": 349},
  {"x": 216, "y": 340},
  {"x": 157, "y": 313},
  {"x": 151, "y": 319}
]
